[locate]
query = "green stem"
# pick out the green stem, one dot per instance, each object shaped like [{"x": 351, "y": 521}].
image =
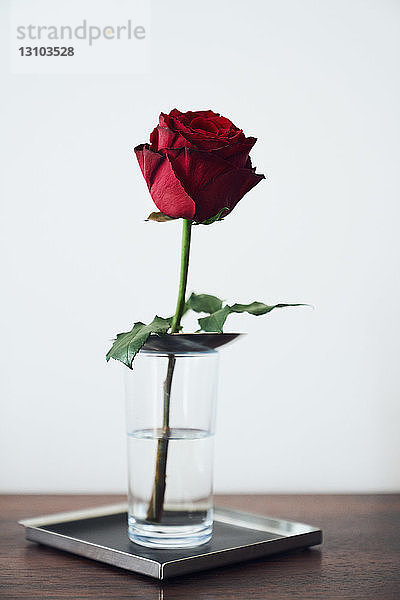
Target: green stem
[
  {"x": 156, "y": 505},
  {"x": 180, "y": 304}
]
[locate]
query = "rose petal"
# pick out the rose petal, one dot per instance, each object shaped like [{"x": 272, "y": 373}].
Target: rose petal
[
  {"x": 165, "y": 188},
  {"x": 211, "y": 181},
  {"x": 167, "y": 139},
  {"x": 202, "y": 124},
  {"x": 192, "y": 114},
  {"x": 237, "y": 154},
  {"x": 224, "y": 124},
  {"x": 225, "y": 191},
  {"x": 208, "y": 144},
  {"x": 154, "y": 140},
  {"x": 206, "y": 130}
]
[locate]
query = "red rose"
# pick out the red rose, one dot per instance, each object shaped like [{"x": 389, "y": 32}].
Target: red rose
[{"x": 197, "y": 163}]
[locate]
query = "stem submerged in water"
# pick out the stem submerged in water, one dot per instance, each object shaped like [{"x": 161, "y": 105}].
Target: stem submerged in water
[
  {"x": 155, "y": 510},
  {"x": 156, "y": 505}
]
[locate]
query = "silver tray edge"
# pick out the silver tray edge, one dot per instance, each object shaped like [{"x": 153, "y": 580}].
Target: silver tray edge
[
  {"x": 110, "y": 556},
  {"x": 231, "y": 556},
  {"x": 291, "y": 535}
]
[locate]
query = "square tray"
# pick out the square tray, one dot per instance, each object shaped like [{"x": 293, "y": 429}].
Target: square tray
[{"x": 101, "y": 534}]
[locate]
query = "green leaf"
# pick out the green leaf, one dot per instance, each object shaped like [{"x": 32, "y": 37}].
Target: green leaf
[
  {"x": 258, "y": 308},
  {"x": 215, "y": 321},
  {"x": 203, "y": 303},
  {"x": 159, "y": 217},
  {"x": 217, "y": 217},
  {"x": 128, "y": 344}
]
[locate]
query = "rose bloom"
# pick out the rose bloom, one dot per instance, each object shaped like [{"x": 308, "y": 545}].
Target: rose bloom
[{"x": 197, "y": 163}]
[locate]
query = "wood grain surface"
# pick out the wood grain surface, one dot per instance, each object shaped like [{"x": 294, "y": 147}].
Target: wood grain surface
[{"x": 360, "y": 556}]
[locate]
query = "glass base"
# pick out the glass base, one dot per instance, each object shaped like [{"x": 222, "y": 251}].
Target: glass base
[{"x": 169, "y": 536}]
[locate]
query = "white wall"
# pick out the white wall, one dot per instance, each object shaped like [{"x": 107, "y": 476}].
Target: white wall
[{"x": 309, "y": 401}]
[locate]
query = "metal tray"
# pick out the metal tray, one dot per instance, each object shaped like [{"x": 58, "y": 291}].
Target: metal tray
[{"x": 101, "y": 534}]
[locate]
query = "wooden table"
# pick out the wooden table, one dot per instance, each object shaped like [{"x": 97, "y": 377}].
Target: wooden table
[{"x": 360, "y": 557}]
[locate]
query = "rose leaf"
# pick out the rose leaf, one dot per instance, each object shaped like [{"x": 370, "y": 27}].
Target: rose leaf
[
  {"x": 159, "y": 217},
  {"x": 258, "y": 308},
  {"x": 216, "y": 320},
  {"x": 203, "y": 303},
  {"x": 127, "y": 345}
]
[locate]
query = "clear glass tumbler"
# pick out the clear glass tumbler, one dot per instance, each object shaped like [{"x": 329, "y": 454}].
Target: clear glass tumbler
[{"x": 171, "y": 401}]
